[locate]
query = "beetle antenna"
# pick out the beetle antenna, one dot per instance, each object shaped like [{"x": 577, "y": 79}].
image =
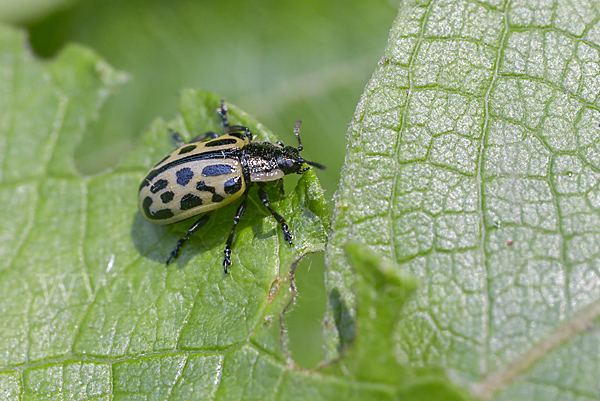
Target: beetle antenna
[
  {"x": 314, "y": 164},
  {"x": 300, "y": 147},
  {"x": 297, "y": 132}
]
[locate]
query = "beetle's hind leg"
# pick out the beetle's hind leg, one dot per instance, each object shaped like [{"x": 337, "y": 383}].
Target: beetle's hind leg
[
  {"x": 180, "y": 142},
  {"x": 264, "y": 198},
  {"x": 238, "y": 216},
  {"x": 195, "y": 227}
]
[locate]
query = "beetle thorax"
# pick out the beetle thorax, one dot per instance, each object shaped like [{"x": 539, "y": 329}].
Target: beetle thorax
[{"x": 259, "y": 161}]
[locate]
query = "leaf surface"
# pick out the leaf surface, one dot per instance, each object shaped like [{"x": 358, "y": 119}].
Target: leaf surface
[
  {"x": 89, "y": 309},
  {"x": 473, "y": 163}
]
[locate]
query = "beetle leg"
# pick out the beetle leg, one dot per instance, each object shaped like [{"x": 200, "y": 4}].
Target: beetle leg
[
  {"x": 177, "y": 138},
  {"x": 197, "y": 225},
  {"x": 180, "y": 142},
  {"x": 237, "y": 128},
  {"x": 265, "y": 201},
  {"x": 229, "y": 243},
  {"x": 209, "y": 134},
  {"x": 222, "y": 110}
]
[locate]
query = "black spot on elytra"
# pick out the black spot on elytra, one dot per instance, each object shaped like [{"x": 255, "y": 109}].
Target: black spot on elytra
[
  {"x": 221, "y": 142},
  {"x": 158, "y": 185},
  {"x": 184, "y": 176},
  {"x": 201, "y": 186},
  {"x": 209, "y": 155},
  {"x": 163, "y": 214},
  {"x": 217, "y": 169},
  {"x": 189, "y": 201},
  {"x": 167, "y": 196},
  {"x": 187, "y": 149},
  {"x": 233, "y": 185},
  {"x": 144, "y": 183},
  {"x": 146, "y": 206},
  {"x": 158, "y": 215}
]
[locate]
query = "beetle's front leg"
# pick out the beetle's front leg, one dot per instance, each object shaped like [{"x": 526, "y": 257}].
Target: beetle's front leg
[
  {"x": 222, "y": 110},
  {"x": 264, "y": 198}
]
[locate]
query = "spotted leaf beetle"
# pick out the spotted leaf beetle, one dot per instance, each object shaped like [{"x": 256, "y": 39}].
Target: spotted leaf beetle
[{"x": 212, "y": 171}]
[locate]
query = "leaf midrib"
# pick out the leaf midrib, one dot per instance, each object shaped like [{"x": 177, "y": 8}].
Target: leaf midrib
[{"x": 480, "y": 183}]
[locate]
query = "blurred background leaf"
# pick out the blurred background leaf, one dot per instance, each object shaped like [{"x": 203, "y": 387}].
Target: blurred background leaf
[
  {"x": 16, "y": 11},
  {"x": 279, "y": 61}
]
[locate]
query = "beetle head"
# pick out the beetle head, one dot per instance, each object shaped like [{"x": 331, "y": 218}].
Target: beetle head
[{"x": 290, "y": 161}]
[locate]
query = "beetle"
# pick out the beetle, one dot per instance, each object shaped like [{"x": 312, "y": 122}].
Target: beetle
[{"x": 212, "y": 171}]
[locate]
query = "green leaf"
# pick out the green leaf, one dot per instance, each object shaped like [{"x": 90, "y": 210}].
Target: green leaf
[
  {"x": 23, "y": 10},
  {"x": 89, "y": 310},
  {"x": 45, "y": 108},
  {"x": 372, "y": 370},
  {"x": 282, "y": 61},
  {"x": 474, "y": 164}
]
